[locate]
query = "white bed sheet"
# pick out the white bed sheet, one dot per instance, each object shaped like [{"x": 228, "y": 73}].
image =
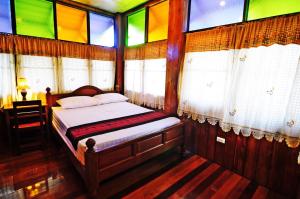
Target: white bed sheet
[{"x": 66, "y": 118}]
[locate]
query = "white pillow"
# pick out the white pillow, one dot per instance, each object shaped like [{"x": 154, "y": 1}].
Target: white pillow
[
  {"x": 110, "y": 98},
  {"x": 77, "y": 102}
]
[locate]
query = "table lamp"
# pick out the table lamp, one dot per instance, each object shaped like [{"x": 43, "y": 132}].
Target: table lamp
[{"x": 23, "y": 85}]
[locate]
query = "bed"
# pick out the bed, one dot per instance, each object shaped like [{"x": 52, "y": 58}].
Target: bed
[{"x": 99, "y": 157}]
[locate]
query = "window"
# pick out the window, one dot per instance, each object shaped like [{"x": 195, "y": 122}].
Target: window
[
  {"x": 71, "y": 24},
  {"x": 5, "y": 16},
  {"x": 158, "y": 22},
  {"x": 103, "y": 74},
  {"x": 267, "y": 8},
  {"x": 75, "y": 73},
  {"x": 136, "y": 28},
  {"x": 145, "y": 82},
  {"x": 35, "y": 18},
  {"x": 102, "y": 30},
  {"x": 40, "y": 73},
  {"x": 206, "y": 14},
  {"x": 7, "y": 79}
]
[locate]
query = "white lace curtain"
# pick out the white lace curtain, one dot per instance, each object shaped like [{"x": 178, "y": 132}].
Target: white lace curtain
[
  {"x": 254, "y": 90},
  {"x": 7, "y": 79},
  {"x": 60, "y": 74},
  {"x": 145, "y": 82}
]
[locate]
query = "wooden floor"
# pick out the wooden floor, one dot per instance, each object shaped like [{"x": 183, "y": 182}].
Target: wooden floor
[{"x": 49, "y": 174}]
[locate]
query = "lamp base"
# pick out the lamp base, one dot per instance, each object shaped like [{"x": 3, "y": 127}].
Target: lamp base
[{"x": 24, "y": 93}]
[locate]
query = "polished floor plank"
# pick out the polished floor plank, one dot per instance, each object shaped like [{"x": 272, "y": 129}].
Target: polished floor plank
[
  {"x": 191, "y": 185},
  {"x": 164, "y": 181}
]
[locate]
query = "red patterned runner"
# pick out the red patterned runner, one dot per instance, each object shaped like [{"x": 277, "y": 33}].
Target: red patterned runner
[{"x": 77, "y": 133}]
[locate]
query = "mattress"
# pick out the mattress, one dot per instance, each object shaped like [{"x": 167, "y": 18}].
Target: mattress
[{"x": 66, "y": 118}]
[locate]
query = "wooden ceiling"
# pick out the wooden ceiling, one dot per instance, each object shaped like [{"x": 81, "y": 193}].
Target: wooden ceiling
[{"x": 113, "y": 6}]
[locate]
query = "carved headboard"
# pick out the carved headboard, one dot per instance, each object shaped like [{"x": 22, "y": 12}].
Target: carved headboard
[{"x": 82, "y": 91}]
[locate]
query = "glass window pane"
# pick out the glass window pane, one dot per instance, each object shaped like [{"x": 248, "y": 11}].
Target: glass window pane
[
  {"x": 75, "y": 73},
  {"x": 71, "y": 24},
  {"x": 103, "y": 74},
  {"x": 5, "y": 16},
  {"x": 35, "y": 18},
  {"x": 136, "y": 28},
  {"x": 102, "y": 30},
  {"x": 267, "y": 8},
  {"x": 206, "y": 14},
  {"x": 158, "y": 22},
  {"x": 40, "y": 74}
]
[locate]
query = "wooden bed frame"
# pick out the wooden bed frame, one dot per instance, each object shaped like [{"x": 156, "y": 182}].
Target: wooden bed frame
[{"x": 101, "y": 165}]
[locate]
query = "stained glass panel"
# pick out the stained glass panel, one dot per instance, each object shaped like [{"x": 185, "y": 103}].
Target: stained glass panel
[
  {"x": 5, "y": 16},
  {"x": 35, "y": 18},
  {"x": 158, "y": 22},
  {"x": 102, "y": 30},
  {"x": 71, "y": 24},
  {"x": 206, "y": 14},
  {"x": 267, "y": 8},
  {"x": 136, "y": 28}
]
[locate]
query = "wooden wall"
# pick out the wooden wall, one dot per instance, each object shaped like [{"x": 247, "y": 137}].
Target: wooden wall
[{"x": 271, "y": 164}]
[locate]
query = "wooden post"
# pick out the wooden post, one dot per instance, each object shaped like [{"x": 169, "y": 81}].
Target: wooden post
[
  {"x": 120, "y": 37},
  {"x": 175, "y": 55},
  {"x": 91, "y": 168}
]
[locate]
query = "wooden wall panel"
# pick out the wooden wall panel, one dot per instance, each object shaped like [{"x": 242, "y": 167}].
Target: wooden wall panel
[
  {"x": 219, "y": 147},
  {"x": 271, "y": 164},
  {"x": 264, "y": 162},
  {"x": 251, "y": 158},
  {"x": 212, "y": 134},
  {"x": 230, "y": 139}
]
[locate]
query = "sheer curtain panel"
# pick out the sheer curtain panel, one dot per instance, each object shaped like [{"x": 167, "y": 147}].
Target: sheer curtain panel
[
  {"x": 103, "y": 74},
  {"x": 74, "y": 73},
  {"x": 254, "y": 90},
  {"x": 145, "y": 82},
  {"x": 7, "y": 79},
  {"x": 40, "y": 73}
]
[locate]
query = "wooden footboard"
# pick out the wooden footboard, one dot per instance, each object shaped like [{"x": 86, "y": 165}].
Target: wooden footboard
[
  {"x": 104, "y": 164},
  {"x": 101, "y": 165}
]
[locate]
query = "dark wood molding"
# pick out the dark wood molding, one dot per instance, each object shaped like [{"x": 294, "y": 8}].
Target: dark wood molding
[
  {"x": 176, "y": 51},
  {"x": 120, "y": 35}
]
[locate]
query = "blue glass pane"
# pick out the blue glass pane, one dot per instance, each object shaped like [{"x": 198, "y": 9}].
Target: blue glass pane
[
  {"x": 102, "y": 30},
  {"x": 206, "y": 14},
  {"x": 5, "y": 16}
]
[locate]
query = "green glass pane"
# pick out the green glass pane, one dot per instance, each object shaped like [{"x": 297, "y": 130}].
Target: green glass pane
[
  {"x": 136, "y": 28},
  {"x": 267, "y": 8},
  {"x": 35, "y": 18}
]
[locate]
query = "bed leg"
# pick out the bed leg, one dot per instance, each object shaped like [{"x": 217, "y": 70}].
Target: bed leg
[{"x": 91, "y": 165}]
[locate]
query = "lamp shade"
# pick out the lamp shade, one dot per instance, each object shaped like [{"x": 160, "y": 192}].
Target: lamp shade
[{"x": 22, "y": 83}]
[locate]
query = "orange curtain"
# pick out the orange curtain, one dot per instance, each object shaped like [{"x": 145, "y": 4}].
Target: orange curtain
[
  {"x": 23, "y": 45},
  {"x": 6, "y": 44},
  {"x": 278, "y": 30},
  {"x": 153, "y": 50}
]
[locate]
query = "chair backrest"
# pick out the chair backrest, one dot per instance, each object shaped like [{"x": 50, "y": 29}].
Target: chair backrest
[{"x": 26, "y": 110}]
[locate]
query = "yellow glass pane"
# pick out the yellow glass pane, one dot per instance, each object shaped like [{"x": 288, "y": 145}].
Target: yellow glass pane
[
  {"x": 71, "y": 24},
  {"x": 158, "y": 22}
]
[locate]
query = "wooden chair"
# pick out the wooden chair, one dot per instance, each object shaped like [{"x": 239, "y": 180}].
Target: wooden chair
[{"x": 28, "y": 117}]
